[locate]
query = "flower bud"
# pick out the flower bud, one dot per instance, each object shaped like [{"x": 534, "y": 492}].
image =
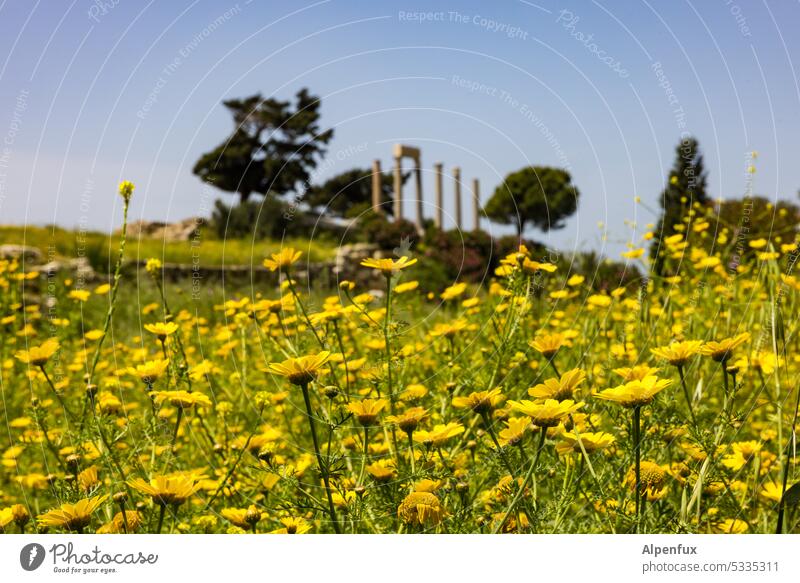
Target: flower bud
[{"x": 126, "y": 190}]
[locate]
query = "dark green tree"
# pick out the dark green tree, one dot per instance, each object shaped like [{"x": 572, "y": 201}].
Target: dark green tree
[
  {"x": 686, "y": 185},
  {"x": 537, "y": 195},
  {"x": 273, "y": 148},
  {"x": 350, "y": 193}
]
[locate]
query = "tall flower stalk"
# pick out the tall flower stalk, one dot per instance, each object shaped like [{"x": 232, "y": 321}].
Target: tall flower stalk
[{"x": 301, "y": 372}]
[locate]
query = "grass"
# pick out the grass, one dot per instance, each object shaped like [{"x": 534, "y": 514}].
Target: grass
[{"x": 59, "y": 243}]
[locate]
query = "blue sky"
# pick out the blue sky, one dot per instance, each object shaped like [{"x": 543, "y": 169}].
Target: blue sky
[{"x": 94, "y": 92}]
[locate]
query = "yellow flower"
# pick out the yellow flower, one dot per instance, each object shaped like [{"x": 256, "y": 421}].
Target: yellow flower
[
  {"x": 454, "y": 291},
  {"x": 678, "y": 353},
  {"x": 283, "y": 259},
  {"x": 421, "y": 508},
  {"x": 730, "y": 526},
  {"x": 367, "y": 411},
  {"x": 635, "y": 393},
  {"x": 102, "y": 289},
  {"x": 94, "y": 335},
  {"x": 758, "y": 243},
  {"x": 16, "y": 513},
  {"x": 301, "y": 370},
  {"x": 633, "y": 253},
  {"x": 182, "y": 399},
  {"x": 119, "y": 524},
  {"x": 75, "y": 516},
  {"x": 87, "y": 479},
  {"x": 598, "y": 301},
  {"x": 242, "y": 517},
  {"x": 450, "y": 329},
  {"x": 413, "y": 392},
  {"x": 515, "y": 430},
  {"x": 38, "y": 355},
  {"x": 722, "y": 350},
  {"x": 109, "y": 404},
  {"x": 388, "y": 266},
  {"x": 635, "y": 373},
  {"x": 764, "y": 361},
  {"x": 172, "y": 490},
  {"x": 402, "y": 288},
  {"x": 480, "y": 401},
  {"x": 162, "y": 329},
  {"x": 382, "y": 471},
  {"x": 293, "y": 525},
  {"x": 590, "y": 441},
  {"x": 772, "y": 491},
  {"x": 150, "y": 371},
  {"x": 126, "y": 189},
  {"x": 548, "y": 344},
  {"x": 742, "y": 452},
  {"x": 409, "y": 419},
  {"x": 153, "y": 266},
  {"x": 533, "y": 267},
  {"x": 652, "y": 480},
  {"x": 559, "y": 389},
  {"x": 547, "y": 413},
  {"x": 439, "y": 435},
  {"x": 428, "y": 485},
  {"x": 79, "y": 295}
]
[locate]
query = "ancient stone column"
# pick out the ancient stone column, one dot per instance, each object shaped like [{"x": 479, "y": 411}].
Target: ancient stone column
[
  {"x": 398, "y": 189},
  {"x": 476, "y": 204},
  {"x": 457, "y": 185},
  {"x": 377, "y": 179},
  {"x": 438, "y": 170}
]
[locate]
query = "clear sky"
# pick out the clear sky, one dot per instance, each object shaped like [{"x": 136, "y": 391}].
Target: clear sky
[{"x": 92, "y": 92}]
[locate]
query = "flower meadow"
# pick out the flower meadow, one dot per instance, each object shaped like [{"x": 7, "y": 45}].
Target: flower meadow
[{"x": 535, "y": 403}]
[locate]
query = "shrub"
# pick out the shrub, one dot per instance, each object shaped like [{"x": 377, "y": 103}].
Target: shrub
[
  {"x": 387, "y": 235},
  {"x": 465, "y": 255},
  {"x": 267, "y": 218}
]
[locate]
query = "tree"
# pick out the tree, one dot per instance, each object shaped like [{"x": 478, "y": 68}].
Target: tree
[
  {"x": 539, "y": 195},
  {"x": 272, "y": 149},
  {"x": 686, "y": 186},
  {"x": 349, "y": 193}
]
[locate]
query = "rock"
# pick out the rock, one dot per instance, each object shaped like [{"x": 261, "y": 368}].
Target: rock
[
  {"x": 24, "y": 252},
  {"x": 51, "y": 268},
  {"x": 348, "y": 257},
  {"x": 179, "y": 231},
  {"x": 82, "y": 268}
]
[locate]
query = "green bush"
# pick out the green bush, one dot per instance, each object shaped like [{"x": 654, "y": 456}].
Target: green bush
[
  {"x": 388, "y": 235},
  {"x": 465, "y": 255}
]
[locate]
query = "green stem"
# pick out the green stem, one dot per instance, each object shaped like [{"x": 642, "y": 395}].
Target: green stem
[
  {"x": 236, "y": 462},
  {"x": 344, "y": 356},
  {"x": 364, "y": 456},
  {"x": 161, "y": 512},
  {"x": 124, "y": 518},
  {"x": 688, "y": 397},
  {"x": 518, "y": 495},
  {"x": 322, "y": 468},
  {"x": 175, "y": 432},
  {"x": 637, "y": 456},
  {"x": 411, "y": 451},
  {"x": 67, "y": 412},
  {"x": 388, "y": 350},
  {"x": 500, "y": 452}
]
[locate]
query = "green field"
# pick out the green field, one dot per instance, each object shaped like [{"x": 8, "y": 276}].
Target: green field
[{"x": 208, "y": 250}]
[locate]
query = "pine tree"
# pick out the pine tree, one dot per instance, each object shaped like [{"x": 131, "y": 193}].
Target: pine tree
[{"x": 686, "y": 185}]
